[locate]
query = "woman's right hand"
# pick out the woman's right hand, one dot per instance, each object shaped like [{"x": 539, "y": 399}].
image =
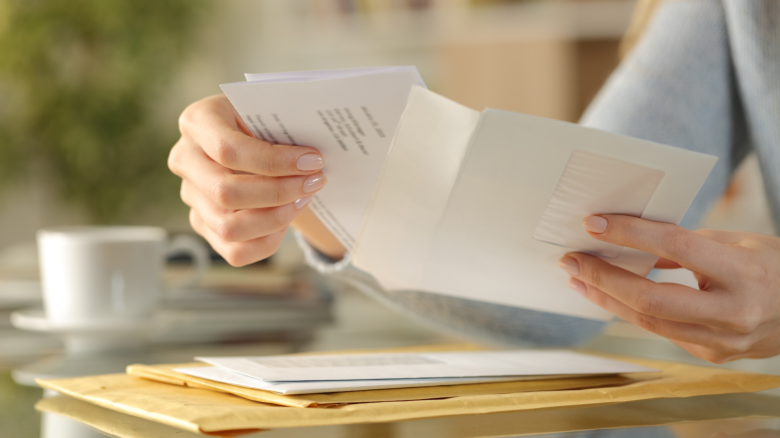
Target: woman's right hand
[{"x": 242, "y": 192}]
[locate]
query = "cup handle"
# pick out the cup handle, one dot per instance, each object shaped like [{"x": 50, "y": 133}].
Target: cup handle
[{"x": 183, "y": 244}]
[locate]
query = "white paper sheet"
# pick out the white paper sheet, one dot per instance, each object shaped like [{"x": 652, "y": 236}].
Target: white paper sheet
[
  {"x": 415, "y": 186},
  {"x": 224, "y": 375},
  {"x": 317, "y": 75},
  {"x": 522, "y": 363},
  {"x": 349, "y": 115},
  {"x": 483, "y": 247}
]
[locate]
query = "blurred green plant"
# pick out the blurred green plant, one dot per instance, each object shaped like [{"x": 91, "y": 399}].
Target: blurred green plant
[{"x": 78, "y": 82}]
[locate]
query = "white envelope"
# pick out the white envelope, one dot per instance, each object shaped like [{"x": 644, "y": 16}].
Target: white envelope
[
  {"x": 224, "y": 375},
  {"x": 517, "y": 363},
  {"x": 482, "y": 206}
]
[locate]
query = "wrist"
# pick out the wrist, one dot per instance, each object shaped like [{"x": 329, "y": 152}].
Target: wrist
[{"x": 318, "y": 235}]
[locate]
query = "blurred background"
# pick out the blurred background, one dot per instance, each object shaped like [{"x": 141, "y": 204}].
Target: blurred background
[{"x": 90, "y": 93}]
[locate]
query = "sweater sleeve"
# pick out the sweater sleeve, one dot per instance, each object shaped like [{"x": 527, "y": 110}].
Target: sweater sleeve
[
  {"x": 677, "y": 86},
  {"x": 479, "y": 321}
]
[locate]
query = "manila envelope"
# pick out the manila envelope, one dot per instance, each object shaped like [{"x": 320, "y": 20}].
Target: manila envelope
[{"x": 743, "y": 411}]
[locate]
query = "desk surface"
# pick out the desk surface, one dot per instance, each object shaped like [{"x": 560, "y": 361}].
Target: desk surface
[{"x": 739, "y": 415}]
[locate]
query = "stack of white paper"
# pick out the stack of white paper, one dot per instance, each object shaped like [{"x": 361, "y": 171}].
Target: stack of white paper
[
  {"x": 353, "y": 372},
  {"x": 349, "y": 115}
]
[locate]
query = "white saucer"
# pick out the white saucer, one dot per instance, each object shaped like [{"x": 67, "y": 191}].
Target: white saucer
[{"x": 35, "y": 320}]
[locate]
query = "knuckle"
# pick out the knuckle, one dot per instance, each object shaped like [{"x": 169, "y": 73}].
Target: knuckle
[
  {"x": 647, "y": 322},
  {"x": 730, "y": 346},
  {"x": 744, "y": 322},
  {"x": 223, "y": 152},
  {"x": 235, "y": 256},
  {"x": 269, "y": 248},
  {"x": 627, "y": 229},
  {"x": 188, "y": 117},
  {"x": 242, "y": 254},
  {"x": 185, "y": 118},
  {"x": 593, "y": 276},
  {"x": 623, "y": 230},
  {"x": 743, "y": 344},
  {"x": 225, "y": 227},
  {"x": 647, "y": 303},
  {"x": 184, "y": 194},
  {"x": 224, "y": 193},
  {"x": 706, "y": 232},
  {"x": 757, "y": 272},
  {"x": 195, "y": 223},
  {"x": 715, "y": 357},
  {"x": 598, "y": 297},
  {"x": 174, "y": 158},
  {"x": 280, "y": 195},
  {"x": 280, "y": 218},
  {"x": 677, "y": 241},
  {"x": 220, "y": 192},
  {"x": 275, "y": 163}
]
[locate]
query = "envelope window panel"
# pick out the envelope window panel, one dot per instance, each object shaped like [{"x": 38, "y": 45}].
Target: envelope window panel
[{"x": 594, "y": 184}]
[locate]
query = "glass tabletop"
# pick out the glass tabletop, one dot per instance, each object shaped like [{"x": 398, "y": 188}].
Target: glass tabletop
[{"x": 363, "y": 325}]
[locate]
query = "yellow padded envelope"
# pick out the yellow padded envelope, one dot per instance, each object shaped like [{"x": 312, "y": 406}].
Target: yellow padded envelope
[
  {"x": 207, "y": 411},
  {"x": 753, "y": 409}
]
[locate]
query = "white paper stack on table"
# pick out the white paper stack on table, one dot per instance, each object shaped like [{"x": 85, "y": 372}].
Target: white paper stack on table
[
  {"x": 462, "y": 203},
  {"x": 355, "y": 372}
]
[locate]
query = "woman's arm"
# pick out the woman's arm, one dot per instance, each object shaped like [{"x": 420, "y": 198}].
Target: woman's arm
[
  {"x": 318, "y": 236},
  {"x": 677, "y": 87}
]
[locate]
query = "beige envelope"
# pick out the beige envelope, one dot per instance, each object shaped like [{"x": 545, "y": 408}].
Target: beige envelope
[{"x": 207, "y": 411}]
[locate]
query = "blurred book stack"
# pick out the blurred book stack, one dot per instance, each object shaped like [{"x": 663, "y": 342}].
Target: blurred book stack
[{"x": 254, "y": 303}]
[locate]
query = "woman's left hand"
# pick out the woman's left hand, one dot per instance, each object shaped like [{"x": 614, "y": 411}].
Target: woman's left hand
[{"x": 734, "y": 314}]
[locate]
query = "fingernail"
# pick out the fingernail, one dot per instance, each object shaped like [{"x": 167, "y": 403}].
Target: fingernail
[
  {"x": 310, "y": 162},
  {"x": 570, "y": 265},
  {"x": 595, "y": 224},
  {"x": 314, "y": 182},
  {"x": 578, "y": 286},
  {"x": 299, "y": 204}
]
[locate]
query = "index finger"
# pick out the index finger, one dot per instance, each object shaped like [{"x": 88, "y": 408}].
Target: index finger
[
  {"x": 215, "y": 126},
  {"x": 672, "y": 242}
]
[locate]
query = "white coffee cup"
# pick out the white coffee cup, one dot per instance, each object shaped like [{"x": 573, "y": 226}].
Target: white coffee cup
[{"x": 109, "y": 274}]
